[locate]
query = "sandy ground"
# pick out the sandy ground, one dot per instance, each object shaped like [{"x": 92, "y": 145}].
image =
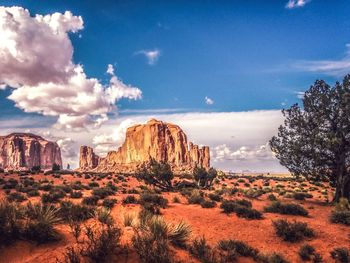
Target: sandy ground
[{"x": 211, "y": 223}]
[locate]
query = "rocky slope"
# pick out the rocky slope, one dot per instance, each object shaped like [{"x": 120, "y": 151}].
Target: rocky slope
[
  {"x": 155, "y": 139},
  {"x": 21, "y": 151}
]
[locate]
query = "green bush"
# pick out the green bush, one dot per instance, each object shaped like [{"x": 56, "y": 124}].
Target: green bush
[
  {"x": 40, "y": 227},
  {"x": 201, "y": 250},
  {"x": 208, "y": 204},
  {"x": 233, "y": 248},
  {"x": 306, "y": 252},
  {"x": 76, "y": 194},
  {"x": 286, "y": 209},
  {"x": 214, "y": 197},
  {"x": 341, "y": 254},
  {"x": 196, "y": 197},
  {"x": 109, "y": 202},
  {"x": 301, "y": 196},
  {"x": 130, "y": 199},
  {"x": 16, "y": 197},
  {"x": 90, "y": 200},
  {"x": 102, "y": 242},
  {"x": 340, "y": 217},
  {"x": 11, "y": 226},
  {"x": 292, "y": 231},
  {"x": 75, "y": 212},
  {"x": 249, "y": 213}
]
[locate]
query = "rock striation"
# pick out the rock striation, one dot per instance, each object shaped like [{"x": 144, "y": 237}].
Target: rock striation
[
  {"x": 21, "y": 151},
  {"x": 88, "y": 159},
  {"x": 164, "y": 142}
]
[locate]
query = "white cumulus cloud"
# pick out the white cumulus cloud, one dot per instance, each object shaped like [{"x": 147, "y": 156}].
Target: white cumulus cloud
[{"x": 36, "y": 63}]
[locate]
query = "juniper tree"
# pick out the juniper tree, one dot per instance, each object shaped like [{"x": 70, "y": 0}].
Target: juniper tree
[{"x": 314, "y": 141}]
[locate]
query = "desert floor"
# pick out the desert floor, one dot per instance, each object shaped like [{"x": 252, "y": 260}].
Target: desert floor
[{"x": 212, "y": 223}]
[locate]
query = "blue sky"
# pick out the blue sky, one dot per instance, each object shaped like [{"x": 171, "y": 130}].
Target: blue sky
[{"x": 242, "y": 55}]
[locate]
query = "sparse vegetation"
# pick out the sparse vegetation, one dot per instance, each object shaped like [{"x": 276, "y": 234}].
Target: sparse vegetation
[
  {"x": 292, "y": 231},
  {"x": 286, "y": 209}
]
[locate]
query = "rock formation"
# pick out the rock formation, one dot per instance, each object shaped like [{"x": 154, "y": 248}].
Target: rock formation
[
  {"x": 88, "y": 159},
  {"x": 156, "y": 139},
  {"x": 21, "y": 151}
]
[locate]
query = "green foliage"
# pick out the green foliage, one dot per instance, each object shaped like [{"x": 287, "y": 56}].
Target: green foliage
[
  {"x": 196, "y": 197},
  {"x": 208, "y": 204},
  {"x": 203, "y": 177},
  {"x": 313, "y": 140},
  {"x": 130, "y": 199},
  {"x": 341, "y": 217},
  {"x": 237, "y": 247},
  {"x": 10, "y": 222},
  {"x": 292, "y": 231},
  {"x": 155, "y": 173},
  {"x": 201, "y": 250},
  {"x": 102, "y": 242},
  {"x": 306, "y": 252},
  {"x": 341, "y": 254},
  {"x": 40, "y": 227},
  {"x": 90, "y": 200},
  {"x": 75, "y": 212},
  {"x": 286, "y": 209},
  {"x": 109, "y": 202}
]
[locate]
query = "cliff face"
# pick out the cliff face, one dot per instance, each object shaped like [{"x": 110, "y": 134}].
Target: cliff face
[
  {"x": 88, "y": 159},
  {"x": 156, "y": 139},
  {"x": 19, "y": 151}
]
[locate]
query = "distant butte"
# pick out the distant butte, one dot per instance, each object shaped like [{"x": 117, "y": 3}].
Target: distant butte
[
  {"x": 22, "y": 151},
  {"x": 159, "y": 140}
]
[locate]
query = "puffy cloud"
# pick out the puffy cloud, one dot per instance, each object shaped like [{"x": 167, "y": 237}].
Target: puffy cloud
[
  {"x": 107, "y": 142},
  {"x": 152, "y": 56},
  {"x": 296, "y": 3},
  {"x": 36, "y": 61},
  {"x": 223, "y": 152},
  {"x": 208, "y": 101}
]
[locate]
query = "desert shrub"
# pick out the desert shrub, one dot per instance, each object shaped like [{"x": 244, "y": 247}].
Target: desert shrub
[
  {"x": 130, "y": 199},
  {"x": 272, "y": 197},
  {"x": 76, "y": 194},
  {"x": 45, "y": 187},
  {"x": 292, "y": 231},
  {"x": 33, "y": 192},
  {"x": 10, "y": 184},
  {"x": 286, "y": 209},
  {"x": 40, "y": 227},
  {"x": 301, "y": 196},
  {"x": 249, "y": 213},
  {"x": 237, "y": 247},
  {"x": 179, "y": 233},
  {"x": 153, "y": 199},
  {"x": 253, "y": 193},
  {"x": 151, "y": 250},
  {"x": 103, "y": 192},
  {"x": 306, "y": 252},
  {"x": 176, "y": 199},
  {"x": 109, "y": 202},
  {"x": 340, "y": 217},
  {"x": 208, "y": 204},
  {"x": 102, "y": 242},
  {"x": 244, "y": 202},
  {"x": 54, "y": 195},
  {"x": 75, "y": 212},
  {"x": 201, "y": 250},
  {"x": 271, "y": 258},
  {"x": 203, "y": 177},
  {"x": 241, "y": 180},
  {"x": 103, "y": 215},
  {"x": 341, "y": 254},
  {"x": 129, "y": 219},
  {"x": 215, "y": 197},
  {"x": 11, "y": 226},
  {"x": 342, "y": 205},
  {"x": 75, "y": 229},
  {"x": 94, "y": 184},
  {"x": 196, "y": 197},
  {"x": 90, "y": 200},
  {"x": 155, "y": 173},
  {"x": 71, "y": 255},
  {"x": 228, "y": 206},
  {"x": 16, "y": 197}
]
